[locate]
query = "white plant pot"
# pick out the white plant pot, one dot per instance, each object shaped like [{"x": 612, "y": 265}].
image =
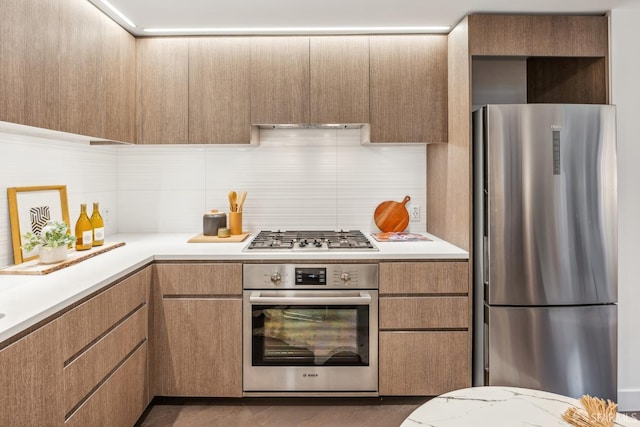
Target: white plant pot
[{"x": 53, "y": 255}]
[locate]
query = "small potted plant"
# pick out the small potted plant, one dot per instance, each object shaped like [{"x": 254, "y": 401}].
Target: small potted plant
[{"x": 53, "y": 242}]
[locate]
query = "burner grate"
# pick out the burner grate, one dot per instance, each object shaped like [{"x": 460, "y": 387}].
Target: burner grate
[{"x": 311, "y": 240}]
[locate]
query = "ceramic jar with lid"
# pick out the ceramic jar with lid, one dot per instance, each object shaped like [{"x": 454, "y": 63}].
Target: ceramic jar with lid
[{"x": 213, "y": 220}]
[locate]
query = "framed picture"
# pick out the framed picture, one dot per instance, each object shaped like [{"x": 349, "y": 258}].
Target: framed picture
[{"x": 29, "y": 210}]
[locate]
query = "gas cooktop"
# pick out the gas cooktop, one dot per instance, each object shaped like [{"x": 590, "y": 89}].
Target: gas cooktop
[{"x": 311, "y": 241}]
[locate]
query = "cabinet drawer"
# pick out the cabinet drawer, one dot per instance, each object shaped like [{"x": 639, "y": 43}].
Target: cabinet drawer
[
  {"x": 85, "y": 323},
  {"x": 199, "y": 279},
  {"x": 120, "y": 400},
  {"x": 423, "y": 363},
  {"x": 424, "y": 312},
  {"x": 85, "y": 372},
  {"x": 424, "y": 277}
]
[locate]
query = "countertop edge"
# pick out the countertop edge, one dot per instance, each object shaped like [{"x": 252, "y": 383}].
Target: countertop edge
[{"x": 28, "y": 301}]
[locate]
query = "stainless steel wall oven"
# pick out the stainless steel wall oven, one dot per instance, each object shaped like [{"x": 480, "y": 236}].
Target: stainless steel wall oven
[{"x": 310, "y": 329}]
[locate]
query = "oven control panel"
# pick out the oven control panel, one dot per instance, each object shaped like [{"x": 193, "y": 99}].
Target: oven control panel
[{"x": 310, "y": 276}]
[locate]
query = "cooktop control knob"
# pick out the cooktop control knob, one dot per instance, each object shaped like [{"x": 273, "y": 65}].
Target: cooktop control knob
[
  {"x": 275, "y": 278},
  {"x": 345, "y": 277}
]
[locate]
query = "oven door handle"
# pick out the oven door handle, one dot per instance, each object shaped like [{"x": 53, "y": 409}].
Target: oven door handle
[{"x": 363, "y": 298}]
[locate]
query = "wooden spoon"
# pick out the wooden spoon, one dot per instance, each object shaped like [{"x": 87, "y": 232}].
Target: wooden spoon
[
  {"x": 233, "y": 198},
  {"x": 241, "y": 196}
]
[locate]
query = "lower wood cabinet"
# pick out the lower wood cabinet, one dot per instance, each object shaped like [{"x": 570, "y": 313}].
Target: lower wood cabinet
[
  {"x": 118, "y": 401},
  {"x": 202, "y": 351},
  {"x": 31, "y": 380},
  {"x": 424, "y": 320},
  {"x": 198, "y": 329},
  {"x": 104, "y": 344},
  {"x": 423, "y": 363}
]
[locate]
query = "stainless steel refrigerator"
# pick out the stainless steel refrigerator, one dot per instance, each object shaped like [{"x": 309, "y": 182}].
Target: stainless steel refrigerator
[{"x": 545, "y": 248}]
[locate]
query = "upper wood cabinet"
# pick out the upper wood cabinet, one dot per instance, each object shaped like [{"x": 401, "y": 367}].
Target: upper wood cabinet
[
  {"x": 163, "y": 90},
  {"x": 80, "y": 68},
  {"x": 279, "y": 80},
  {"x": 538, "y": 35},
  {"x": 219, "y": 90},
  {"x": 339, "y": 74},
  {"x": 119, "y": 82},
  {"x": 29, "y": 39},
  {"x": 408, "y": 88}
]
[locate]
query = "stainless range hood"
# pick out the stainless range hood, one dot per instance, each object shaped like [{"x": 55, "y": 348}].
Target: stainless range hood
[
  {"x": 257, "y": 128},
  {"x": 311, "y": 126}
]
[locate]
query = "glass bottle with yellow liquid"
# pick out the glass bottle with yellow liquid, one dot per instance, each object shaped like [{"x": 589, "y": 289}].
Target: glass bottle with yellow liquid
[
  {"x": 98, "y": 226},
  {"x": 84, "y": 231}
]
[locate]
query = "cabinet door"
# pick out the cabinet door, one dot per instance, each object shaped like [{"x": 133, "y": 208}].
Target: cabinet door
[
  {"x": 80, "y": 69},
  {"x": 202, "y": 350},
  {"x": 29, "y": 38},
  {"x": 279, "y": 80},
  {"x": 31, "y": 380},
  {"x": 219, "y": 91},
  {"x": 408, "y": 88},
  {"x": 339, "y": 74},
  {"x": 119, "y": 82},
  {"x": 163, "y": 88},
  {"x": 423, "y": 363}
]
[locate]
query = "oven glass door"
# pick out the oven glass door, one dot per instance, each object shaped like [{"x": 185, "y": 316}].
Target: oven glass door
[{"x": 312, "y": 329}]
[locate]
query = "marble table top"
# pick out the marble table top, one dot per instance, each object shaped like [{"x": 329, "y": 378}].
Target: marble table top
[{"x": 498, "y": 407}]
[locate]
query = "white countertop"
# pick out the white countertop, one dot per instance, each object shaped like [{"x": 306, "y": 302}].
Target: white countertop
[
  {"x": 498, "y": 407},
  {"x": 27, "y": 300}
]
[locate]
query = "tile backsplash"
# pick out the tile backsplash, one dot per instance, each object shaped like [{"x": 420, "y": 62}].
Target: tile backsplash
[{"x": 295, "y": 179}]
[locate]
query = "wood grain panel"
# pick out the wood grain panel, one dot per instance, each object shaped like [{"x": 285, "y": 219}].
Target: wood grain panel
[
  {"x": 339, "y": 74},
  {"x": 31, "y": 379},
  {"x": 408, "y": 92},
  {"x": 84, "y": 373},
  {"x": 423, "y": 363},
  {"x": 163, "y": 90},
  {"x": 119, "y": 82},
  {"x": 279, "y": 80},
  {"x": 202, "y": 350},
  {"x": 424, "y": 312},
  {"x": 538, "y": 35},
  {"x": 424, "y": 277},
  {"x": 81, "y": 109},
  {"x": 29, "y": 39},
  {"x": 200, "y": 279},
  {"x": 13, "y": 63},
  {"x": 449, "y": 166},
  {"x": 120, "y": 400},
  {"x": 567, "y": 80},
  {"x": 219, "y": 90},
  {"x": 89, "y": 320}
]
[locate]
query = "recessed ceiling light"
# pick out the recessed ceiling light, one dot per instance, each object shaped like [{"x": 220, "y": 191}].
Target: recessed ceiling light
[
  {"x": 300, "y": 30},
  {"x": 120, "y": 15}
]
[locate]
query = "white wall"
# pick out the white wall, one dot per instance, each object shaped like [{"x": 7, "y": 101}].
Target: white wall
[
  {"x": 625, "y": 75},
  {"x": 296, "y": 179},
  {"x": 90, "y": 174}
]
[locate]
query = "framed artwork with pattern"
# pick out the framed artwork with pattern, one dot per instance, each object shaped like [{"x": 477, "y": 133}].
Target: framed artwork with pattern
[{"x": 30, "y": 208}]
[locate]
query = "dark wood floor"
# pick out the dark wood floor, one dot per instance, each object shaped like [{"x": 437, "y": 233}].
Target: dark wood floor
[{"x": 290, "y": 412}]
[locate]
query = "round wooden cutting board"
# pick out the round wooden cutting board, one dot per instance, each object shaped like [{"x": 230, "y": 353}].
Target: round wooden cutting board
[{"x": 392, "y": 216}]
